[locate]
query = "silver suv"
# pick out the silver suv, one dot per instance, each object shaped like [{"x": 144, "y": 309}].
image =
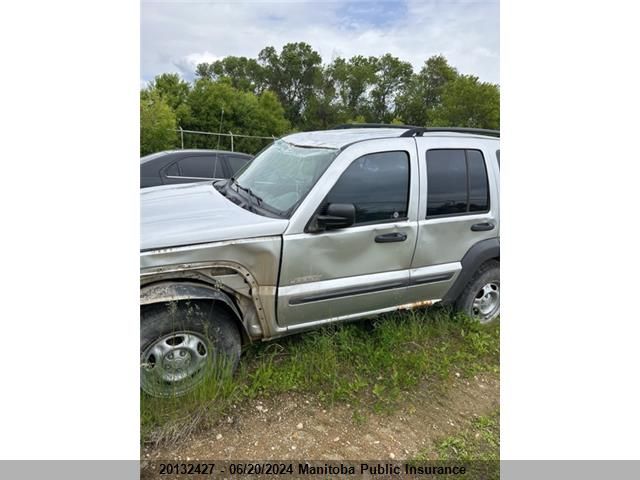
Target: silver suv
[{"x": 321, "y": 227}]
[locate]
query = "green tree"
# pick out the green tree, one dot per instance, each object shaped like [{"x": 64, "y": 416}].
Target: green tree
[
  {"x": 157, "y": 124},
  {"x": 352, "y": 79},
  {"x": 204, "y": 70},
  {"x": 424, "y": 91},
  {"x": 291, "y": 89},
  {"x": 322, "y": 110},
  {"x": 392, "y": 76},
  {"x": 293, "y": 75},
  {"x": 467, "y": 102},
  {"x": 244, "y": 113},
  {"x": 175, "y": 92},
  {"x": 436, "y": 75},
  {"x": 244, "y": 73}
]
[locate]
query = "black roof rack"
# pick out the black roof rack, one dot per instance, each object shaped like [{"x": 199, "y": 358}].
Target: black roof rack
[
  {"x": 418, "y": 131},
  {"x": 413, "y": 131}
]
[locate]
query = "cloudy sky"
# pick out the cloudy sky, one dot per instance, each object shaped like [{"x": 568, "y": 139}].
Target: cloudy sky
[{"x": 176, "y": 35}]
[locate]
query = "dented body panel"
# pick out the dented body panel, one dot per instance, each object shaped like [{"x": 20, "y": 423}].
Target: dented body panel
[{"x": 245, "y": 270}]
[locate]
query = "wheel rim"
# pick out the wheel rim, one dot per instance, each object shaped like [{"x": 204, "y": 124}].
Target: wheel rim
[
  {"x": 175, "y": 363},
  {"x": 486, "y": 304}
]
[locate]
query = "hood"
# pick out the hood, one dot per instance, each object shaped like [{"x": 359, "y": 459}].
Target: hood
[{"x": 186, "y": 214}]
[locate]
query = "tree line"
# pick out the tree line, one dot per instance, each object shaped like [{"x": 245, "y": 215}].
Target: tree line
[{"x": 292, "y": 90}]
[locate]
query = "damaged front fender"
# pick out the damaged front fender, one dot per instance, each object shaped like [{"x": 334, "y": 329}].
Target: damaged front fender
[{"x": 166, "y": 292}]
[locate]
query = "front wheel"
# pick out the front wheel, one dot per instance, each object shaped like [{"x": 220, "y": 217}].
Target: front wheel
[
  {"x": 182, "y": 343},
  {"x": 481, "y": 297}
]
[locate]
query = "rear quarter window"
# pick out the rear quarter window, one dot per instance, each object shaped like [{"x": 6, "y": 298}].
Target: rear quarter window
[
  {"x": 236, "y": 162},
  {"x": 172, "y": 170}
]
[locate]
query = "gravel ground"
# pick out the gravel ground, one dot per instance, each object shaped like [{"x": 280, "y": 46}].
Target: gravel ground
[{"x": 299, "y": 427}]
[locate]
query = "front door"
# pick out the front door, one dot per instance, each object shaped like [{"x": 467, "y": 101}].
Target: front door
[{"x": 350, "y": 272}]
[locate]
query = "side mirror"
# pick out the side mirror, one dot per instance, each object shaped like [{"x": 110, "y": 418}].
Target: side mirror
[{"x": 339, "y": 215}]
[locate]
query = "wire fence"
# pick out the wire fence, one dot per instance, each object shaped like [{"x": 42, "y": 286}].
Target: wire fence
[{"x": 230, "y": 135}]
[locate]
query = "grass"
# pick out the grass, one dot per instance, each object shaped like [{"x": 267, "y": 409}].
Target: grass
[
  {"x": 476, "y": 446},
  {"x": 368, "y": 364},
  {"x": 481, "y": 441}
]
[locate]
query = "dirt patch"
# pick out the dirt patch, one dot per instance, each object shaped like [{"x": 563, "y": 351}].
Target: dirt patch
[{"x": 294, "y": 426}]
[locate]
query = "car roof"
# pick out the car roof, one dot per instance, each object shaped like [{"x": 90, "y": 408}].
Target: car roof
[
  {"x": 202, "y": 150},
  {"x": 341, "y": 137},
  {"x": 164, "y": 153}
]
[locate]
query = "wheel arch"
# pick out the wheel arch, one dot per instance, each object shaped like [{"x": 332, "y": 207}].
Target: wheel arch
[
  {"x": 480, "y": 253},
  {"x": 167, "y": 291}
]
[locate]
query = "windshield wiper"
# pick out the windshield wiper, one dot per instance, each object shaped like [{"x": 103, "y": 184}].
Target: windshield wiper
[{"x": 251, "y": 194}]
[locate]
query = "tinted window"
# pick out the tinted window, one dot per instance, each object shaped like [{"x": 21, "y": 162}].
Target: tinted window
[
  {"x": 218, "y": 168},
  {"x": 456, "y": 182},
  {"x": 172, "y": 170},
  {"x": 446, "y": 182},
  {"x": 378, "y": 186},
  {"x": 236, "y": 163},
  {"x": 478, "y": 185},
  {"x": 200, "y": 167}
]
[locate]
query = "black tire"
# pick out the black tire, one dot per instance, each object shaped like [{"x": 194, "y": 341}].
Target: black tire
[
  {"x": 482, "y": 293},
  {"x": 182, "y": 343}
]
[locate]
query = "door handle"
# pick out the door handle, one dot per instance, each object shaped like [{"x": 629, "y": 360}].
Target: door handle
[
  {"x": 391, "y": 237},
  {"x": 482, "y": 227}
]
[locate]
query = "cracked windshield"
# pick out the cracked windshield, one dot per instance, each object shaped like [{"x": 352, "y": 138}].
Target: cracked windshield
[{"x": 283, "y": 173}]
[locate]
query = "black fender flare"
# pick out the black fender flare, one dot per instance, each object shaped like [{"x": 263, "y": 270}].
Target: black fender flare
[
  {"x": 165, "y": 292},
  {"x": 478, "y": 254}
]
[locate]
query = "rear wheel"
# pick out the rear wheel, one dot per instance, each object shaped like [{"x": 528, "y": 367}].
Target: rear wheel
[
  {"x": 182, "y": 343},
  {"x": 481, "y": 297}
]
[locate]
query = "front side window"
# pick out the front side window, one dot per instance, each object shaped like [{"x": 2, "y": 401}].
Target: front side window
[
  {"x": 377, "y": 185},
  {"x": 456, "y": 182},
  {"x": 282, "y": 174}
]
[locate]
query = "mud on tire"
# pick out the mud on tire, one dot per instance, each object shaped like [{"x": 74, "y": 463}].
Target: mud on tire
[{"x": 183, "y": 343}]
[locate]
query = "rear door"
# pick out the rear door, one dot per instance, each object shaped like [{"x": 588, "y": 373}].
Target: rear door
[
  {"x": 347, "y": 273},
  {"x": 458, "y": 208}
]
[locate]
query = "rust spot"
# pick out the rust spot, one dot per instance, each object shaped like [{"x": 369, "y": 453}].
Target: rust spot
[{"x": 423, "y": 303}]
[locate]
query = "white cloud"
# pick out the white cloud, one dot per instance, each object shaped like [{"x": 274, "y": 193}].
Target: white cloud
[
  {"x": 177, "y": 36},
  {"x": 200, "y": 57},
  {"x": 187, "y": 65}
]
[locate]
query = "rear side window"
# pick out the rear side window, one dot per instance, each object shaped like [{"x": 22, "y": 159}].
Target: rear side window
[
  {"x": 201, "y": 167},
  {"x": 236, "y": 163},
  {"x": 378, "y": 185},
  {"x": 172, "y": 170},
  {"x": 456, "y": 182}
]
